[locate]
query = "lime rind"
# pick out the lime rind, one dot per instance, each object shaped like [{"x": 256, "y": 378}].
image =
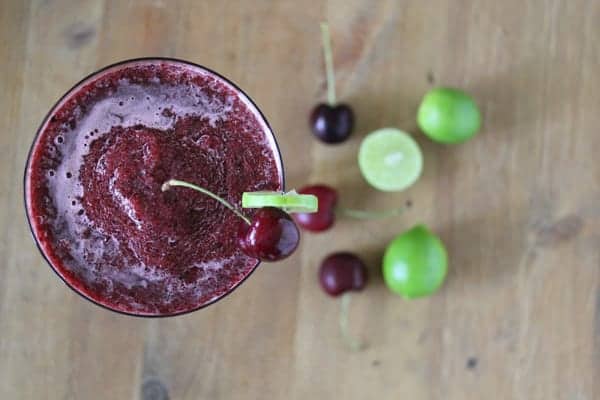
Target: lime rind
[{"x": 291, "y": 202}]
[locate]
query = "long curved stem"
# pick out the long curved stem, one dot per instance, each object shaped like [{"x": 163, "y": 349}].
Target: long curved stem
[
  {"x": 326, "y": 38},
  {"x": 353, "y": 343},
  {"x": 362, "y": 214},
  {"x": 174, "y": 182}
]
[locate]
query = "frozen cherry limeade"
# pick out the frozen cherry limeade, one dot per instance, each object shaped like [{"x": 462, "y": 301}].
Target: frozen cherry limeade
[{"x": 95, "y": 195}]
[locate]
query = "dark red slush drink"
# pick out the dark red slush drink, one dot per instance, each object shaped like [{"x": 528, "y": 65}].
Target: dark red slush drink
[{"x": 93, "y": 185}]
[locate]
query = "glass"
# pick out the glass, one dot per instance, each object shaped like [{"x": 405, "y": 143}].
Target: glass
[{"x": 194, "y": 68}]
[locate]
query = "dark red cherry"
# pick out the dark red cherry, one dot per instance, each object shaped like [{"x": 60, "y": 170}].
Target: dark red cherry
[
  {"x": 271, "y": 236},
  {"x": 332, "y": 124},
  {"x": 341, "y": 272},
  {"x": 325, "y": 216}
]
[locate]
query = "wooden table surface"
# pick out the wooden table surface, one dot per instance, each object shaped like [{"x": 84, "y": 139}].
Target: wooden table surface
[{"x": 518, "y": 207}]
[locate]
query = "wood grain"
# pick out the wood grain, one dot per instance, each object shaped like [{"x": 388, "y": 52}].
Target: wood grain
[{"x": 518, "y": 207}]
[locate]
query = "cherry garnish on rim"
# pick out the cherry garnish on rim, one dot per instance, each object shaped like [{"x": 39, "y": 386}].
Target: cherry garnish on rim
[
  {"x": 324, "y": 217},
  {"x": 271, "y": 234},
  {"x": 331, "y": 122}
]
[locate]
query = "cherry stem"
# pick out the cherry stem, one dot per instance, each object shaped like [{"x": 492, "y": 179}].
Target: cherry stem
[
  {"x": 353, "y": 343},
  {"x": 174, "y": 182},
  {"x": 326, "y": 38},
  {"x": 362, "y": 214}
]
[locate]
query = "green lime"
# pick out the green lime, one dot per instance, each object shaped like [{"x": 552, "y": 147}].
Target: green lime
[
  {"x": 448, "y": 115},
  {"x": 390, "y": 159},
  {"x": 291, "y": 202},
  {"x": 415, "y": 263}
]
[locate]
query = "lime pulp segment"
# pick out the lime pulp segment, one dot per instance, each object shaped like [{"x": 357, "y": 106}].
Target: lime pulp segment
[
  {"x": 390, "y": 159},
  {"x": 290, "y": 202}
]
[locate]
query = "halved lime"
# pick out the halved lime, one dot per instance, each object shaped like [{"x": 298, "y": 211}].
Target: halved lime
[
  {"x": 390, "y": 159},
  {"x": 291, "y": 201}
]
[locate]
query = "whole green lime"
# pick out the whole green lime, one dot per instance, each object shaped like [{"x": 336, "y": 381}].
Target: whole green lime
[
  {"x": 415, "y": 263},
  {"x": 448, "y": 115}
]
